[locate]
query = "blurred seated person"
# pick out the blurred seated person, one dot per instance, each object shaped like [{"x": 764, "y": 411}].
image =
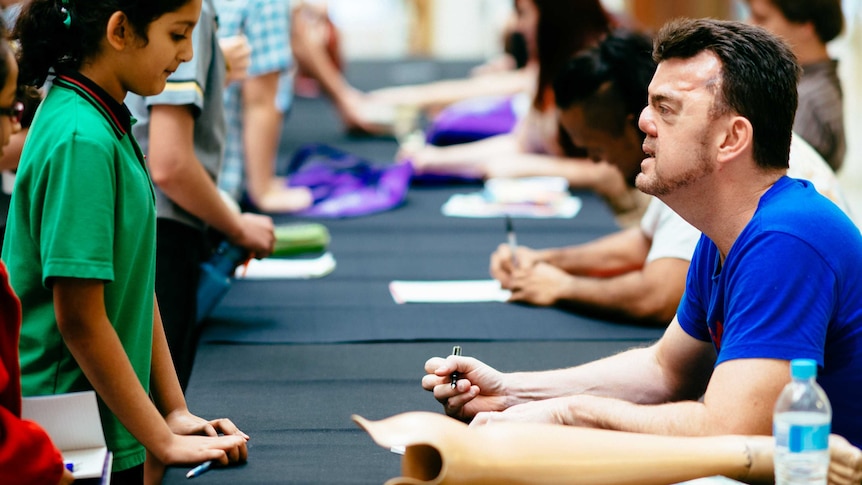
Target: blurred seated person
[
  {"x": 315, "y": 45},
  {"x": 807, "y": 25},
  {"x": 569, "y": 26},
  {"x": 637, "y": 274},
  {"x": 554, "y": 31}
]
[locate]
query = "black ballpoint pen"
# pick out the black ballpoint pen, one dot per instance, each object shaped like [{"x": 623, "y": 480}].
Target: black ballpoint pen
[{"x": 456, "y": 350}]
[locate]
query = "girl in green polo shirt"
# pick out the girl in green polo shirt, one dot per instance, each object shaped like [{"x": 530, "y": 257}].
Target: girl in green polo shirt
[{"x": 80, "y": 242}]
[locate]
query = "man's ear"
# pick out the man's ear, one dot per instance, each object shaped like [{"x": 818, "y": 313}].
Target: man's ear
[
  {"x": 738, "y": 138},
  {"x": 119, "y": 32}
]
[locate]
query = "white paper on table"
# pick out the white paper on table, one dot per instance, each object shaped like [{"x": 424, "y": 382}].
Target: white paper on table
[
  {"x": 287, "y": 268},
  {"x": 72, "y": 421},
  {"x": 468, "y": 291},
  {"x": 479, "y": 206}
]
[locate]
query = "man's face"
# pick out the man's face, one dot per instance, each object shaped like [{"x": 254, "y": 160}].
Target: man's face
[
  {"x": 681, "y": 138},
  {"x": 621, "y": 150}
]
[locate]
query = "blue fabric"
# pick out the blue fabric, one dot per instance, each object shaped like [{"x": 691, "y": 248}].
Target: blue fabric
[{"x": 791, "y": 287}]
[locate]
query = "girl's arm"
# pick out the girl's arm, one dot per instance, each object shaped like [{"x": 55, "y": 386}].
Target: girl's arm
[
  {"x": 83, "y": 323},
  {"x": 168, "y": 395}
]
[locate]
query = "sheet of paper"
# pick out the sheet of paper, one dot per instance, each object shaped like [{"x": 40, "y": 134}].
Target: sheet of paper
[
  {"x": 287, "y": 268},
  {"x": 467, "y": 291},
  {"x": 479, "y": 206},
  {"x": 72, "y": 422}
]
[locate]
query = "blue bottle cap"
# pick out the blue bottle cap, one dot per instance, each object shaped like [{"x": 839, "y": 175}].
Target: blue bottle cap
[{"x": 803, "y": 368}]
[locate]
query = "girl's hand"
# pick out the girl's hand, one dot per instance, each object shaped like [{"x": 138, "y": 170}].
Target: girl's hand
[{"x": 186, "y": 423}]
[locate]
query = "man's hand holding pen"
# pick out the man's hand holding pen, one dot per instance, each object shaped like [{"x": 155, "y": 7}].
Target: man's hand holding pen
[
  {"x": 479, "y": 387},
  {"x": 501, "y": 267}
]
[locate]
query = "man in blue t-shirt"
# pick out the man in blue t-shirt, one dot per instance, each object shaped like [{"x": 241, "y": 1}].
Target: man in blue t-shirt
[{"x": 777, "y": 274}]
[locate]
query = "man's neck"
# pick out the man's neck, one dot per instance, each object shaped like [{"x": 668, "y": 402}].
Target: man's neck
[{"x": 724, "y": 215}]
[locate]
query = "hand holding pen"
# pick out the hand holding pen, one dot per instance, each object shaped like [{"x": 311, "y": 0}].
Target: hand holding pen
[{"x": 484, "y": 389}]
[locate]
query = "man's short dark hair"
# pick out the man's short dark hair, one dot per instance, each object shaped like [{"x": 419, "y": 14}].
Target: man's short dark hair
[
  {"x": 825, "y": 15},
  {"x": 758, "y": 79},
  {"x": 609, "y": 80}
]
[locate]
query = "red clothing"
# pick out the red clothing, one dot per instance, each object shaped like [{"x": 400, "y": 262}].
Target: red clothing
[{"x": 27, "y": 455}]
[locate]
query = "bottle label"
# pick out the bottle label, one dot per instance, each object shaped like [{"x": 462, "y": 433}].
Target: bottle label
[{"x": 808, "y": 437}]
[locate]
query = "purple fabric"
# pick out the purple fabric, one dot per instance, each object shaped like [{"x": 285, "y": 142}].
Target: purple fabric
[
  {"x": 345, "y": 185},
  {"x": 471, "y": 120}
]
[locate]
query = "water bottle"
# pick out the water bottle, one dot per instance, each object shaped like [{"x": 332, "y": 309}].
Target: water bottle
[{"x": 801, "y": 426}]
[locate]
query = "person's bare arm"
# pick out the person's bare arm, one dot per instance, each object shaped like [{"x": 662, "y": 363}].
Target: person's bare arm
[
  {"x": 176, "y": 170},
  {"x": 659, "y": 393},
  {"x": 438, "y": 94},
  {"x": 640, "y": 375},
  {"x": 261, "y": 132},
  {"x": 93, "y": 342},
  {"x": 615, "y": 254},
  {"x": 648, "y": 295}
]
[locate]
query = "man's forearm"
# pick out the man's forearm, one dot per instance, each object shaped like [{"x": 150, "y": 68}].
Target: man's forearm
[
  {"x": 633, "y": 375},
  {"x": 633, "y": 295},
  {"x": 683, "y": 418},
  {"x": 610, "y": 255}
]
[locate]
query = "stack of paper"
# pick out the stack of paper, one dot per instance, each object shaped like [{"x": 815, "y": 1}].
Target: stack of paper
[
  {"x": 287, "y": 268},
  {"x": 72, "y": 422}
]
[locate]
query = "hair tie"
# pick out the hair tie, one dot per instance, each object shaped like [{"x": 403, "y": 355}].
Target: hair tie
[{"x": 64, "y": 9}]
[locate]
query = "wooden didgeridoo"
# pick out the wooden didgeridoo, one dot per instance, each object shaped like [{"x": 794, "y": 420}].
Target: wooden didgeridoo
[{"x": 440, "y": 450}]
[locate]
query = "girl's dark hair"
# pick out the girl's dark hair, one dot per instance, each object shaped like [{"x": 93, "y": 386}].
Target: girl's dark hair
[
  {"x": 565, "y": 28},
  {"x": 62, "y": 34}
]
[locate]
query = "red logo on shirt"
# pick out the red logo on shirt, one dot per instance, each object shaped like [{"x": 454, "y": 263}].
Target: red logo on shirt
[{"x": 715, "y": 332}]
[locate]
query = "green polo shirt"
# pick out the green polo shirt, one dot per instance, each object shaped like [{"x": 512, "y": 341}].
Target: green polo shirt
[{"x": 83, "y": 207}]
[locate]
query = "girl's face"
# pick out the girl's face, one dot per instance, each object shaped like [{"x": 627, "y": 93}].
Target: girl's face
[
  {"x": 8, "y": 124},
  {"x": 169, "y": 44}
]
